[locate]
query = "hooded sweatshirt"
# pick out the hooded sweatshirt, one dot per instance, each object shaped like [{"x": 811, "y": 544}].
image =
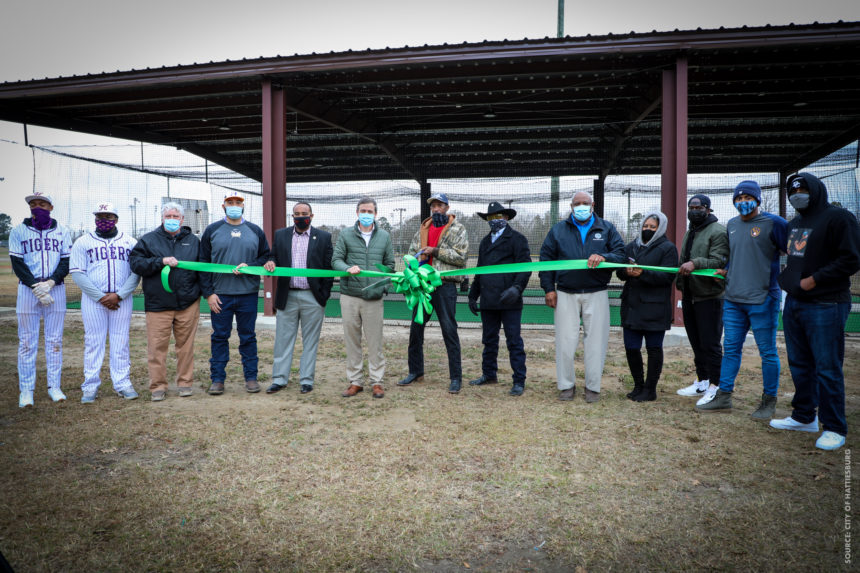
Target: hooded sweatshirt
[{"x": 824, "y": 243}]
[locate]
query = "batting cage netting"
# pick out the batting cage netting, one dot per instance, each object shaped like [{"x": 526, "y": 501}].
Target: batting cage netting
[{"x": 139, "y": 178}]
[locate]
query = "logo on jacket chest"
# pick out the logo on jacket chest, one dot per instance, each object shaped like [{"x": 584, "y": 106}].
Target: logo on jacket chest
[
  {"x": 236, "y": 234},
  {"x": 598, "y": 236},
  {"x": 755, "y": 231}
]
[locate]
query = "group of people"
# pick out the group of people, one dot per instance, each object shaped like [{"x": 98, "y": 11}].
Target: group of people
[{"x": 822, "y": 244}]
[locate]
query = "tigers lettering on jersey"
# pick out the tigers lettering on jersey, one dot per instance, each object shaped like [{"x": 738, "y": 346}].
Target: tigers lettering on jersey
[
  {"x": 40, "y": 249},
  {"x": 112, "y": 252},
  {"x": 39, "y": 244}
]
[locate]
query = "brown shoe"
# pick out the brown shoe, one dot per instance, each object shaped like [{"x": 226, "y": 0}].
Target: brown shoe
[
  {"x": 352, "y": 391},
  {"x": 567, "y": 395},
  {"x": 378, "y": 392},
  {"x": 252, "y": 386},
  {"x": 591, "y": 397}
]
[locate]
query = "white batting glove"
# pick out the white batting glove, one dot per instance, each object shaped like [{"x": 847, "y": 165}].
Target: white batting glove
[
  {"x": 46, "y": 300},
  {"x": 43, "y": 288}
]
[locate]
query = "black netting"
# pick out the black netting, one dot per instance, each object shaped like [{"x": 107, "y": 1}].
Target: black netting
[{"x": 138, "y": 179}]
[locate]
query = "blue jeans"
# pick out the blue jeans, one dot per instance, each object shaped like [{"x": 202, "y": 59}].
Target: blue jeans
[
  {"x": 244, "y": 308},
  {"x": 815, "y": 343},
  {"x": 444, "y": 301},
  {"x": 491, "y": 321},
  {"x": 738, "y": 318}
]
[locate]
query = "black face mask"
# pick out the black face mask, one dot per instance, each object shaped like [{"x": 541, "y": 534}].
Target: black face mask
[
  {"x": 647, "y": 235},
  {"x": 697, "y": 216},
  {"x": 440, "y": 219},
  {"x": 302, "y": 223}
]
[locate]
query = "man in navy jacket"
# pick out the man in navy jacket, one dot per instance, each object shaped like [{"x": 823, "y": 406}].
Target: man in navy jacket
[
  {"x": 501, "y": 296},
  {"x": 580, "y": 294}
]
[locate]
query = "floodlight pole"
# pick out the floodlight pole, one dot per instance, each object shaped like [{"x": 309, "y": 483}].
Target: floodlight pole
[{"x": 554, "y": 187}]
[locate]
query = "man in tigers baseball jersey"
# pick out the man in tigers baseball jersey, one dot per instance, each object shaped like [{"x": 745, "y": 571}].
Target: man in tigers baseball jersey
[
  {"x": 99, "y": 266},
  {"x": 233, "y": 241},
  {"x": 39, "y": 251}
]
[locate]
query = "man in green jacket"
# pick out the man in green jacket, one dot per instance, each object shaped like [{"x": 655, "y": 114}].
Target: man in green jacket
[
  {"x": 359, "y": 248},
  {"x": 705, "y": 246}
]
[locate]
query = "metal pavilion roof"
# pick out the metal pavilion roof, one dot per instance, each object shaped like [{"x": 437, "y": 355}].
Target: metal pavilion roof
[{"x": 760, "y": 99}]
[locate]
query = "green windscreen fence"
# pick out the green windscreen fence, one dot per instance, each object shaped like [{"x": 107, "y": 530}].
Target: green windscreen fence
[{"x": 138, "y": 179}]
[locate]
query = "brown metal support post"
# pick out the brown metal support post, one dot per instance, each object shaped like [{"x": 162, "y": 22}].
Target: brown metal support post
[
  {"x": 274, "y": 175},
  {"x": 783, "y": 191},
  {"x": 599, "y": 186},
  {"x": 425, "y": 194},
  {"x": 674, "y": 160}
]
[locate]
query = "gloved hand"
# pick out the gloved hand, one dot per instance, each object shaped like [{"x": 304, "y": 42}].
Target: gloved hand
[
  {"x": 43, "y": 288},
  {"x": 46, "y": 300},
  {"x": 473, "y": 306},
  {"x": 509, "y": 296}
]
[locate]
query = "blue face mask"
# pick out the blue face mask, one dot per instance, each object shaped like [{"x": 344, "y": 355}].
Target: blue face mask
[
  {"x": 171, "y": 225},
  {"x": 746, "y": 207},
  {"x": 582, "y": 213},
  {"x": 366, "y": 219},
  {"x": 234, "y": 212}
]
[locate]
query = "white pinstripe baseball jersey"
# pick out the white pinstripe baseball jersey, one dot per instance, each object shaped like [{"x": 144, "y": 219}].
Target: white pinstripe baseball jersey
[
  {"x": 40, "y": 250},
  {"x": 104, "y": 261}
]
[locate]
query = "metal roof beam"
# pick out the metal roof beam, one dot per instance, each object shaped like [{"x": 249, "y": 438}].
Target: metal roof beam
[
  {"x": 621, "y": 138},
  {"x": 833, "y": 144},
  {"x": 315, "y": 108},
  {"x": 95, "y": 128}
]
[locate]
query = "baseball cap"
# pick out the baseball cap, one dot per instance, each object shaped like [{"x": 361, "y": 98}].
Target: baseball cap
[
  {"x": 105, "y": 208},
  {"x": 38, "y": 195},
  {"x": 234, "y": 196},
  {"x": 438, "y": 197}
]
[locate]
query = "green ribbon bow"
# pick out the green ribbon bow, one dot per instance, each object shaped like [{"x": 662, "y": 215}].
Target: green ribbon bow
[{"x": 416, "y": 282}]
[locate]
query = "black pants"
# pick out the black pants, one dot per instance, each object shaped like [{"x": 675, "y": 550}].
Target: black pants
[
  {"x": 444, "y": 301},
  {"x": 704, "y": 323},
  {"x": 492, "y": 320}
]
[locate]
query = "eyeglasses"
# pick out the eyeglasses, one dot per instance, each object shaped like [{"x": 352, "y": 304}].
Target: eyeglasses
[{"x": 495, "y": 216}]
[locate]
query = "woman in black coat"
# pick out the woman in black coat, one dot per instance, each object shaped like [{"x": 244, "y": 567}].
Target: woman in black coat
[{"x": 646, "y": 303}]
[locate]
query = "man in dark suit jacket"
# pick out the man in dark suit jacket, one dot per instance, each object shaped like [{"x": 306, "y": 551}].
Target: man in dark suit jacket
[
  {"x": 501, "y": 296},
  {"x": 299, "y": 300}
]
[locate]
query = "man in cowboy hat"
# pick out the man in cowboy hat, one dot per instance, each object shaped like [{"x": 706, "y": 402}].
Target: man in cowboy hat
[{"x": 501, "y": 296}]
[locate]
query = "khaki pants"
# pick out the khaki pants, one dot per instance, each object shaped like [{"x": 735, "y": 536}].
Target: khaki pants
[
  {"x": 359, "y": 314},
  {"x": 159, "y": 326},
  {"x": 593, "y": 309}
]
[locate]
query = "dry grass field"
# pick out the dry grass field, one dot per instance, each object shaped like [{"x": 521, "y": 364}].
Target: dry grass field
[{"x": 419, "y": 481}]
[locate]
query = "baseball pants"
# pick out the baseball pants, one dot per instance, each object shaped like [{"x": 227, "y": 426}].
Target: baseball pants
[
  {"x": 99, "y": 322},
  {"x": 30, "y": 312}
]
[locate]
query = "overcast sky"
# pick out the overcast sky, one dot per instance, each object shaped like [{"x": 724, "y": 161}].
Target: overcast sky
[{"x": 50, "y": 38}]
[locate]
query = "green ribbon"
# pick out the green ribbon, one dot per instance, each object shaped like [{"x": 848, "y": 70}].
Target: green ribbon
[{"x": 417, "y": 282}]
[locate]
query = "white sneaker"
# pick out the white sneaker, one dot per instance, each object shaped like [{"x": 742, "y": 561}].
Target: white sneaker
[
  {"x": 830, "y": 441},
  {"x": 792, "y": 424},
  {"x": 709, "y": 395},
  {"x": 697, "y": 388},
  {"x": 56, "y": 395},
  {"x": 25, "y": 399}
]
